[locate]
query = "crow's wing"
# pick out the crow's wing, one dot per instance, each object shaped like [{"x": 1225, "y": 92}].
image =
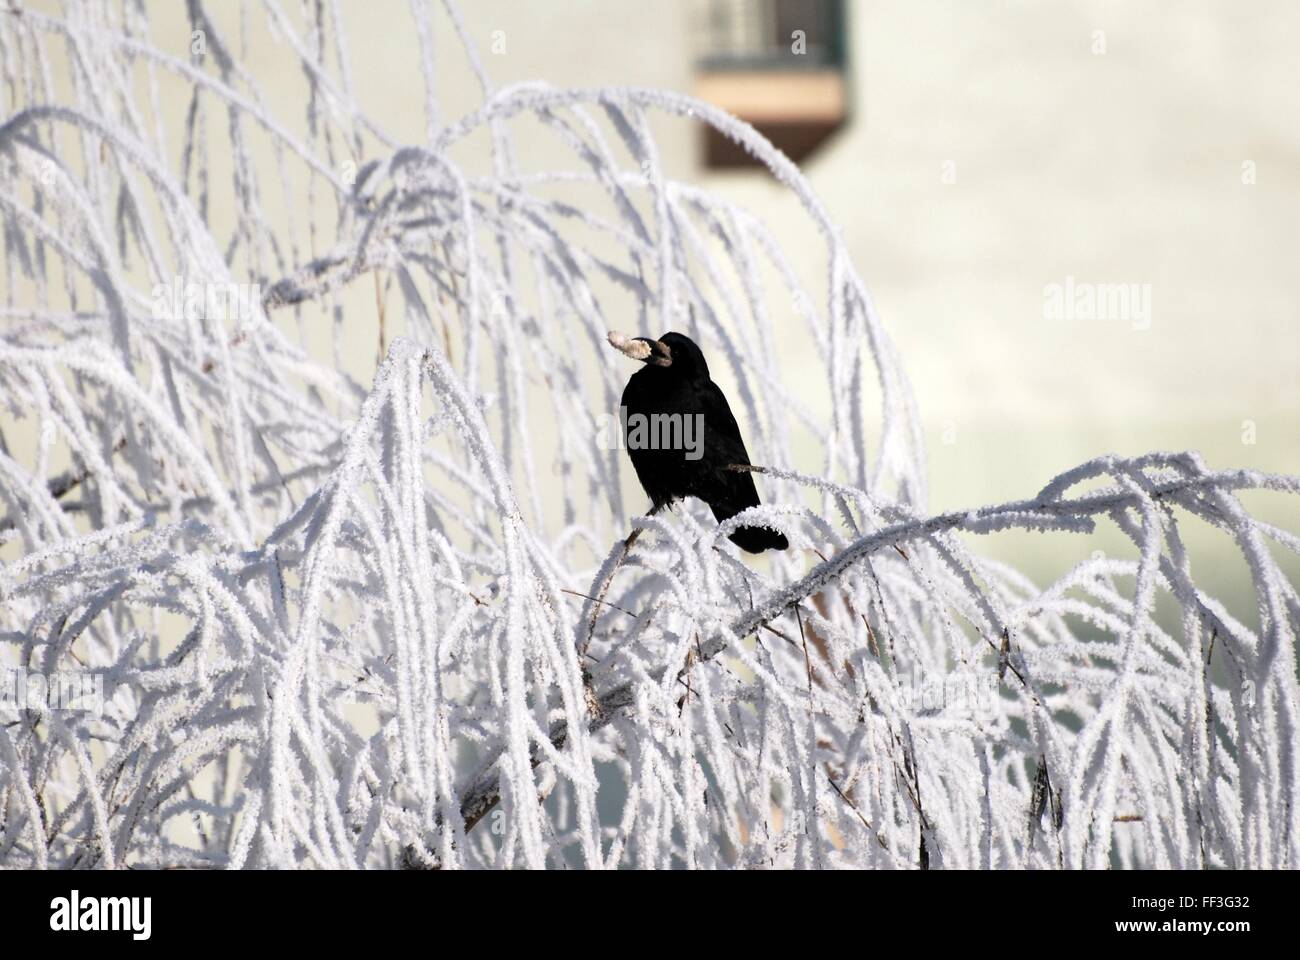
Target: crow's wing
[{"x": 727, "y": 492}]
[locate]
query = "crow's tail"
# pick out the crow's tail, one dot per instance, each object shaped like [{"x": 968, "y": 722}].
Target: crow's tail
[
  {"x": 737, "y": 494},
  {"x": 758, "y": 539}
]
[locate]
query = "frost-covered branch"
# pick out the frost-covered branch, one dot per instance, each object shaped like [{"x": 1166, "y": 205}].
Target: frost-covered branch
[{"x": 328, "y": 615}]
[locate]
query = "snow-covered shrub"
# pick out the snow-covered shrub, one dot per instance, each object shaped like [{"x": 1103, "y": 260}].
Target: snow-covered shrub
[{"x": 403, "y": 624}]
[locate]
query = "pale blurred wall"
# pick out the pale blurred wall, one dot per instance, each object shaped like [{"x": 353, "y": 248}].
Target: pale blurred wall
[
  {"x": 560, "y": 42},
  {"x": 1120, "y": 167}
]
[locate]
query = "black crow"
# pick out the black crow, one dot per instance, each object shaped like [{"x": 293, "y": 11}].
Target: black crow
[{"x": 681, "y": 434}]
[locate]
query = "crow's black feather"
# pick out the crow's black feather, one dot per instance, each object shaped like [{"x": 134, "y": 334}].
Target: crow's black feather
[{"x": 683, "y": 388}]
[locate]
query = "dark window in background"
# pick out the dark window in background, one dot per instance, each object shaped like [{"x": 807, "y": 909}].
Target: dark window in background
[
  {"x": 742, "y": 34},
  {"x": 778, "y": 64}
]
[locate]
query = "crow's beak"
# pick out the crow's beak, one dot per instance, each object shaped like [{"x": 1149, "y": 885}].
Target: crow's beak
[
  {"x": 653, "y": 352},
  {"x": 660, "y": 354}
]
